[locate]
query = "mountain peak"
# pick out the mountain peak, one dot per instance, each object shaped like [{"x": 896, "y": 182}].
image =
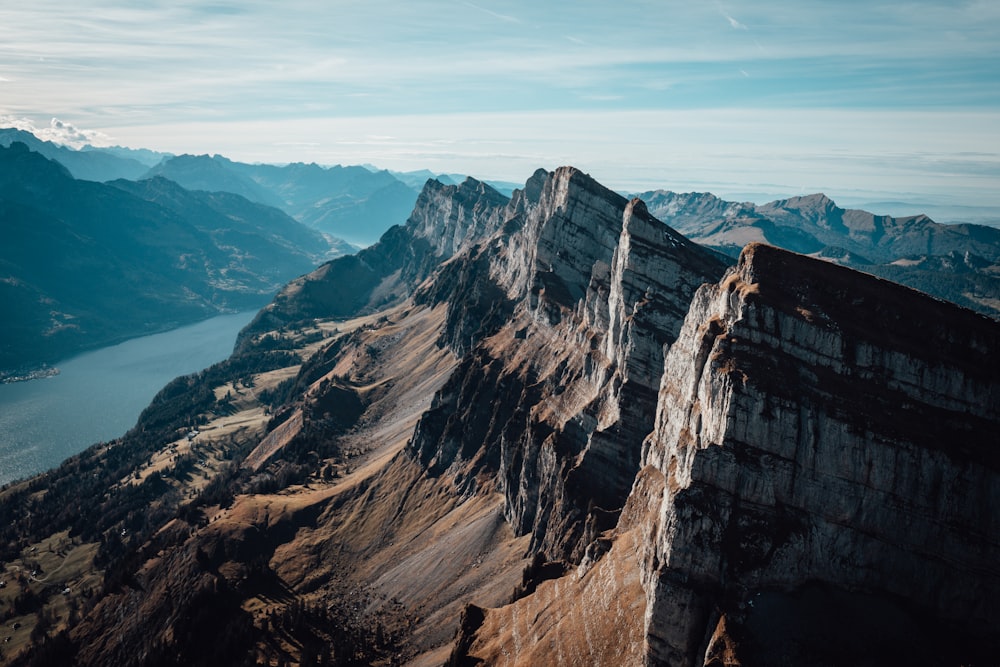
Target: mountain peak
[
  {"x": 558, "y": 395},
  {"x": 812, "y": 207},
  {"x": 818, "y": 290},
  {"x": 636, "y": 206},
  {"x": 23, "y": 165}
]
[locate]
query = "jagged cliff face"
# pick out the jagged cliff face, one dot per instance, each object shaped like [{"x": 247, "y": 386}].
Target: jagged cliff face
[
  {"x": 445, "y": 219},
  {"x": 557, "y": 414},
  {"x": 818, "y": 489},
  {"x": 556, "y": 400},
  {"x": 815, "y": 425}
]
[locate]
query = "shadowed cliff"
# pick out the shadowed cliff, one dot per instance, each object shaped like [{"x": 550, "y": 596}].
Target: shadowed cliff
[{"x": 548, "y": 429}]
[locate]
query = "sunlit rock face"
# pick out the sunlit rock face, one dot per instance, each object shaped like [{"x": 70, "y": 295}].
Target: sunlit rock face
[
  {"x": 818, "y": 425},
  {"x": 557, "y": 414},
  {"x": 569, "y": 308}
]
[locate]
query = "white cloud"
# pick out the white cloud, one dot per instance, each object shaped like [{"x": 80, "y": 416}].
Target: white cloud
[
  {"x": 58, "y": 132},
  {"x": 736, "y": 25},
  {"x": 189, "y": 77},
  {"x": 502, "y": 17}
]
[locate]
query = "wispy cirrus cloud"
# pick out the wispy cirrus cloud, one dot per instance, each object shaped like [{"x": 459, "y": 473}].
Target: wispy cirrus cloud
[
  {"x": 190, "y": 74},
  {"x": 497, "y": 15},
  {"x": 733, "y": 23}
]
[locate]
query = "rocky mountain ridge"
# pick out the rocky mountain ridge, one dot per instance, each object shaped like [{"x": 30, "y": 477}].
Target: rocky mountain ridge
[
  {"x": 957, "y": 262},
  {"x": 863, "y": 467},
  {"x": 549, "y": 429}
]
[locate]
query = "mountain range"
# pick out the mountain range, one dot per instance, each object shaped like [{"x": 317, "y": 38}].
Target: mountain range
[
  {"x": 351, "y": 203},
  {"x": 957, "y": 262},
  {"x": 85, "y": 264},
  {"x": 89, "y": 164},
  {"x": 542, "y": 429},
  {"x": 960, "y": 262}
]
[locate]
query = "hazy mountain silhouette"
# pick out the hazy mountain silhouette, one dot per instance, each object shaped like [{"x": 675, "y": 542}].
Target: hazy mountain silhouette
[
  {"x": 351, "y": 203},
  {"x": 85, "y": 264},
  {"x": 91, "y": 164}
]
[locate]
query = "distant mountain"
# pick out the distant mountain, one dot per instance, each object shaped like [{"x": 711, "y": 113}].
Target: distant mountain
[
  {"x": 212, "y": 174},
  {"x": 540, "y": 430},
  {"x": 85, "y": 264},
  {"x": 143, "y": 155},
  {"x": 351, "y": 203},
  {"x": 416, "y": 179},
  {"x": 235, "y": 221},
  {"x": 960, "y": 262},
  {"x": 90, "y": 164}
]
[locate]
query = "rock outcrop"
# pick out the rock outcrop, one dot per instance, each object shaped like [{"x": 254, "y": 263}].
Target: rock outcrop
[
  {"x": 445, "y": 219},
  {"x": 558, "y": 396},
  {"x": 818, "y": 489},
  {"x": 555, "y": 431},
  {"x": 818, "y": 425}
]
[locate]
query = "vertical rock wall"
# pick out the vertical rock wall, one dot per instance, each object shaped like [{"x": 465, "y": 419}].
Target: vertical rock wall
[
  {"x": 592, "y": 288},
  {"x": 815, "y": 424}
]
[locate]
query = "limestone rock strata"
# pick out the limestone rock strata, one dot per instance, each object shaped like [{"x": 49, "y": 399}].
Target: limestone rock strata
[
  {"x": 573, "y": 301},
  {"x": 582, "y": 430},
  {"x": 445, "y": 220},
  {"x": 818, "y": 425}
]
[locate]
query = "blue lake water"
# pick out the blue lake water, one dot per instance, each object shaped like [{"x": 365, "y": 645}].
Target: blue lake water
[{"x": 98, "y": 395}]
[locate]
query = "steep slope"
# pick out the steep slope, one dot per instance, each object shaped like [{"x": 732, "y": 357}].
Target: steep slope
[
  {"x": 959, "y": 262},
  {"x": 868, "y": 465},
  {"x": 817, "y": 489},
  {"x": 383, "y": 491},
  {"x": 554, "y": 309},
  {"x": 550, "y": 430},
  {"x": 558, "y": 307},
  {"x": 85, "y": 264},
  {"x": 594, "y": 288},
  {"x": 445, "y": 219}
]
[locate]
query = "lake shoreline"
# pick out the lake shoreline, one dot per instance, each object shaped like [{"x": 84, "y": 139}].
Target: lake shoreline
[
  {"x": 97, "y": 396},
  {"x": 28, "y": 375}
]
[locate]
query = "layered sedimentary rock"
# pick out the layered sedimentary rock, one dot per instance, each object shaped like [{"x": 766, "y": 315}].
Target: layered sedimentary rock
[
  {"x": 445, "y": 219},
  {"x": 606, "y": 448},
  {"x": 818, "y": 425},
  {"x": 586, "y": 289},
  {"x": 819, "y": 488}
]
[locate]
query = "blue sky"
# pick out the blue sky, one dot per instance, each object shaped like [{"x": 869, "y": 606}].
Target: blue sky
[{"x": 870, "y": 99}]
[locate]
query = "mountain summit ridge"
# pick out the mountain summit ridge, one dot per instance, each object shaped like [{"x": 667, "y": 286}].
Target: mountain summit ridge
[
  {"x": 913, "y": 250},
  {"x": 550, "y": 429}
]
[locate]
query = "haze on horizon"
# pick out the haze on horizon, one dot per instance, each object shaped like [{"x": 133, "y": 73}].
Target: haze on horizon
[{"x": 866, "y": 101}]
